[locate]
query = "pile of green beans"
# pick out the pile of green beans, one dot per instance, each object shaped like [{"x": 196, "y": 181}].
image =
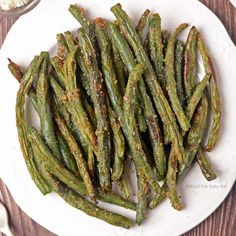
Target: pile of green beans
[{"x": 116, "y": 93}]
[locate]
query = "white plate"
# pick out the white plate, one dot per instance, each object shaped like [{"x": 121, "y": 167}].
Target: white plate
[{"x": 36, "y": 31}]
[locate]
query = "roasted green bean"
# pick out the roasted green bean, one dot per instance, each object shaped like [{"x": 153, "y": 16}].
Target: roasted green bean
[
  {"x": 25, "y": 144},
  {"x": 190, "y": 63},
  {"x": 205, "y": 166},
  {"x": 214, "y": 95},
  {"x": 156, "y": 46},
  {"x": 44, "y": 109},
  {"x": 170, "y": 80},
  {"x": 179, "y": 50},
  {"x": 81, "y": 163},
  {"x": 196, "y": 97},
  {"x": 142, "y": 205}
]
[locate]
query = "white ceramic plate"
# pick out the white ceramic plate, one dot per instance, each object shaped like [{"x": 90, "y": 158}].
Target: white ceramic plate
[{"x": 36, "y": 31}]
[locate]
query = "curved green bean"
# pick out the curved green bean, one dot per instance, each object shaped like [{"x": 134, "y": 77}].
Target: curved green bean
[
  {"x": 67, "y": 156},
  {"x": 170, "y": 80},
  {"x": 75, "y": 150},
  {"x": 214, "y": 95},
  {"x": 196, "y": 97},
  {"x": 25, "y": 144},
  {"x": 190, "y": 63},
  {"x": 179, "y": 50},
  {"x": 195, "y": 135},
  {"x": 156, "y": 46},
  {"x": 44, "y": 109}
]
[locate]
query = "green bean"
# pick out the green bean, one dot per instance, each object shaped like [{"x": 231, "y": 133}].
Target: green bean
[
  {"x": 156, "y": 46},
  {"x": 45, "y": 113},
  {"x": 62, "y": 49},
  {"x": 171, "y": 179},
  {"x": 138, "y": 156},
  {"x": 52, "y": 165},
  {"x": 15, "y": 70},
  {"x": 179, "y": 51},
  {"x": 100, "y": 106},
  {"x": 79, "y": 14},
  {"x": 58, "y": 96},
  {"x": 70, "y": 41},
  {"x": 165, "y": 36},
  {"x": 79, "y": 58},
  {"x": 142, "y": 23},
  {"x": 190, "y": 63},
  {"x": 75, "y": 150},
  {"x": 214, "y": 95},
  {"x": 77, "y": 201},
  {"x": 160, "y": 101},
  {"x": 195, "y": 135},
  {"x": 170, "y": 80},
  {"x": 79, "y": 135},
  {"x": 196, "y": 97},
  {"x": 58, "y": 66},
  {"x": 118, "y": 145},
  {"x": 149, "y": 112},
  {"x": 115, "y": 199},
  {"x": 67, "y": 156},
  {"x": 142, "y": 205},
  {"x": 87, "y": 207},
  {"x": 25, "y": 145},
  {"x": 205, "y": 166},
  {"x": 88, "y": 26}
]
